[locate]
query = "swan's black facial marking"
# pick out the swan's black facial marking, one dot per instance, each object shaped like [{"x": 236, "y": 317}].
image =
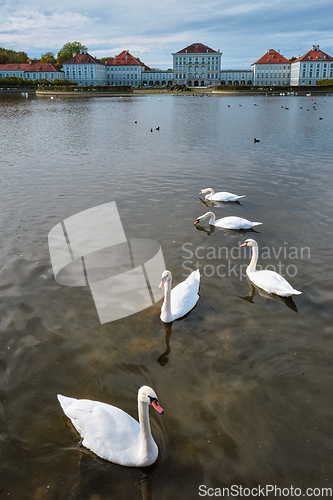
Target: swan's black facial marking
[{"x": 154, "y": 402}]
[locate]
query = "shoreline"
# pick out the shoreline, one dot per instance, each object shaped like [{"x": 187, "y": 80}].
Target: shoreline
[{"x": 141, "y": 92}]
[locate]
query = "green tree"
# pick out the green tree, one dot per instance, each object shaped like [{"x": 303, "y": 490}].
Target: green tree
[
  {"x": 67, "y": 51},
  {"x": 292, "y": 59},
  {"x": 105, "y": 59},
  {"x": 48, "y": 57},
  {"x": 11, "y": 56}
]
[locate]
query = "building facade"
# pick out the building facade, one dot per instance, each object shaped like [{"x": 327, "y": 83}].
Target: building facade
[
  {"x": 85, "y": 69},
  {"x": 31, "y": 71},
  {"x": 271, "y": 69},
  {"x": 124, "y": 69},
  {"x": 158, "y": 77},
  {"x": 197, "y": 65},
  {"x": 313, "y": 66},
  {"x": 237, "y": 77}
]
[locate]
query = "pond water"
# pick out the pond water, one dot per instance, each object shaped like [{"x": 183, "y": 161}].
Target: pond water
[{"x": 245, "y": 380}]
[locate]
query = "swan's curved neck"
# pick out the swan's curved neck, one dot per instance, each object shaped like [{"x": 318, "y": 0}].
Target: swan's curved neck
[
  {"x": 252, "y": 266},
  {"x": 166, "y": 306},
  {"x": 210, "y": 191},
  {"x": 212, "y": 217},
  {"x": 147, "y": 442}
]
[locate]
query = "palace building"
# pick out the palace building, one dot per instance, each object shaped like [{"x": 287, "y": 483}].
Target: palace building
[
  {"x": 31, "y": 71},
  {"x": 197, "y": 65},
  {"x": 313, "y": 66}
]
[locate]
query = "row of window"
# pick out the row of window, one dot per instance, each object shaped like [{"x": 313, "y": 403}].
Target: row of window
[
  {"x": 196, "y": 59},
  {"x": 266, "y": 67},
  {"x": 210, "y": 66},
  {"x": 272, "y": 82},
  {"x": 124, "y": 68},
  {"x": 184, "y": 76},
  {"x": 123, "y": 76},
  {"x": 275, "y": 75},
  {"x": 318, "y": 65},
  {"x": 317, "y": 73},
  {"x": 28, "y": 76}
]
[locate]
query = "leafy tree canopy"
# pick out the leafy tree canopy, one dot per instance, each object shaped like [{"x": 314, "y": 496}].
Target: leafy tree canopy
[
  {"x": 292, "y": 59},
  {"x": 105, "y": 59},
  {"x": 48, "y": 57},
  {"x": 324, "y": 82},
  {"x": 8, "y": 56},
  {"x": 67, "y": 51}
]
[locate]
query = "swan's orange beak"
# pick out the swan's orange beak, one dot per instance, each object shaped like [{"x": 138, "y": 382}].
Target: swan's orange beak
[
  {"x": 244, "y": 244},
  {"x": 157, "y": 407},
  {"x": 196, "y": 222},
  {"x": 163, "y": 280}
]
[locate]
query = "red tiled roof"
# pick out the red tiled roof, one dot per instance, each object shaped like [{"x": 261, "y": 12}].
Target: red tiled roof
[
  {"x": 124, "y": 58},
  {"x": 83, "y": 59},
  {"x": 197, "y": 48},
  {"x": 272, "y": 57},
  {"x": 35, "y": 67},
  {"x": 315, "y": 55}
]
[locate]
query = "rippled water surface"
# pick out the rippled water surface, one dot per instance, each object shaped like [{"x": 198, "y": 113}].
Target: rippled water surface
[{"x": 245, "y": 380}]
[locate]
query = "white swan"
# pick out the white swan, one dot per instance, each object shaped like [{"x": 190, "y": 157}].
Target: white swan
[
  {"x": 270, "y": 281},
  {"x": 227, "y": 222},
  {"x": 111, "y": 433},
  {"x": 181, "y": 300},
  {"x": 221, "y": 196}
]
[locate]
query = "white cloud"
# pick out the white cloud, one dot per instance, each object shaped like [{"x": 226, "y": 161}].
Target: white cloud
[{"x": 153, "y": 30}]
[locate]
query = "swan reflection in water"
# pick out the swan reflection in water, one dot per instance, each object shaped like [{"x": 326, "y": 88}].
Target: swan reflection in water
[
  {"x": 210, "y": 204},
  {"x": 288, "y": 301},
  {"x": 163, "y": 358},
  {"x": 211, "y": 229},
  {"x": 145, "y": 484}
]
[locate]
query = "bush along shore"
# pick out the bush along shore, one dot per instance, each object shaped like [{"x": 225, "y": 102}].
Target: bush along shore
[{"x": 60, "y": 87}]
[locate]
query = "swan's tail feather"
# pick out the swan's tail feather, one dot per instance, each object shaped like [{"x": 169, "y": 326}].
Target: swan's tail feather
[
  {"x": 256, "y": 223},
  {"x": 296, "y": 292},
  {"x": 197, "y": 274},
  {"x": 242, "y": 196},
  {"x": 65, "y": 402}
]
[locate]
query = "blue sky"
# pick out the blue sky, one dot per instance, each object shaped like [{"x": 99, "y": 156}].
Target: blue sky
[{"x": 242, "y": 30}]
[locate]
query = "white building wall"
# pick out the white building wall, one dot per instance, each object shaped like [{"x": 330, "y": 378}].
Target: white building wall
[
  {"x": 236, "y": 77},
  {"x": 271, "y": 74},
  {"x": 310, "y": 72},
  {"x": 157, "y": 77},
  {"x": 33, "y": 75},
  {"x": 197, "y": 68},
  {"x": 122, "y": 74}
]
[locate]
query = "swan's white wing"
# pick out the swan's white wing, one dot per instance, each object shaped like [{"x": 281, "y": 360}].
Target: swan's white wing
[
  {"x": 235, "y": 223},
  {"x": 225, "y": 196},
  {"x": 272, "y": 282},
  {"x": 185, "y": 295},
  {"x": 106, "y": 430}
]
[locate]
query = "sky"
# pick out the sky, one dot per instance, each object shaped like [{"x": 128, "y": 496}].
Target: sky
[{"x": 243, "y": 30}]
